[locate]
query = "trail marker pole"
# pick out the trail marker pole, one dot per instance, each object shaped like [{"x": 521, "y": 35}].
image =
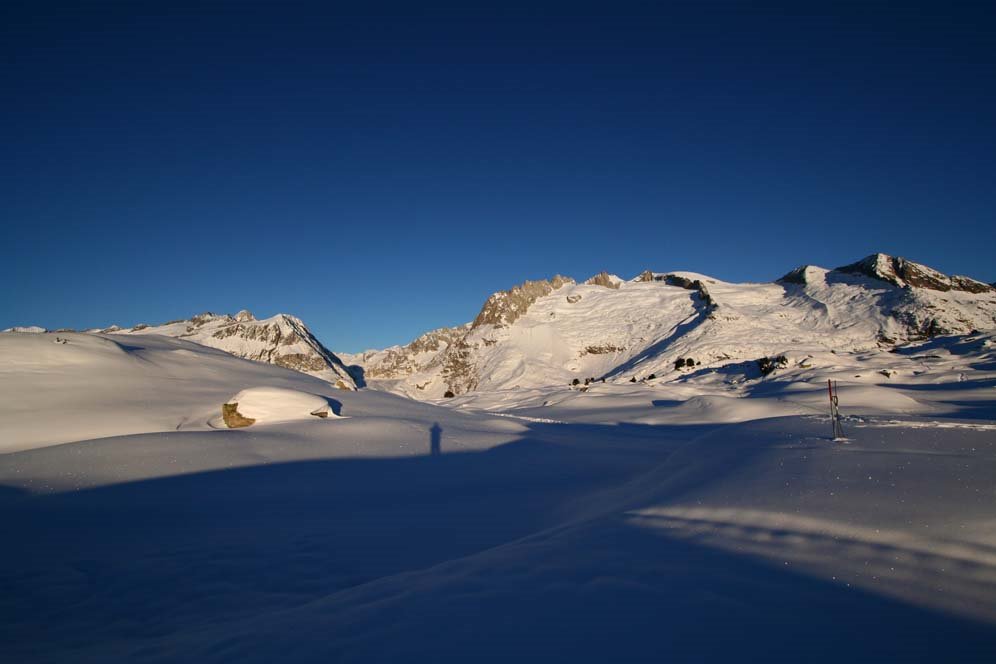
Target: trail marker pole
[{"x": 838, "y": 430}]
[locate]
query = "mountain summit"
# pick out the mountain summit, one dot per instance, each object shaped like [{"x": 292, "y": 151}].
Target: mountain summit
[
  {"x": 904, "y": 273},
  {"x": 283, "y": 340}
]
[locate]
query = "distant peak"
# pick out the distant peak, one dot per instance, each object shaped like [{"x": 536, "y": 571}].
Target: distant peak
[
  {"x": 802, "y": 275},
  {"x": 904, "y": 273},
  {"x": 204, "y": 318},
  {"x": 26, "y": 329},
  {"x": 604, "y": 279},
  {"x": 244, "y": 316}
]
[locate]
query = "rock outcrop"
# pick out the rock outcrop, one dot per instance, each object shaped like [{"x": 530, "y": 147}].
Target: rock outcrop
[
  {"x": 904, "y": 273},
  {"x": 233, "y": 418},
  {"x": 604, "y": 279},
  {"x": 283, "y": 340},
  {"x": 402, "y": 361},
  {"x": 691, "y": 284},
  {"x": 505, "y": 307}
]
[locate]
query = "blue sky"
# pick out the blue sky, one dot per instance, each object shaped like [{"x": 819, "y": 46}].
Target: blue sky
[{"x": 379, "y": 174}]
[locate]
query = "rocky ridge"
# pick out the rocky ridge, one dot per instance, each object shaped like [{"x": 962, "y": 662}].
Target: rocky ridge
[
  {"x": 904, "y": 273},
  {"x": 401, "y": 361},
  {"x": 283, "y": 340}
]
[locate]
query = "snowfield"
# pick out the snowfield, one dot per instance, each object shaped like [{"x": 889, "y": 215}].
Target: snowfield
[{"x": 709, "y": 518}]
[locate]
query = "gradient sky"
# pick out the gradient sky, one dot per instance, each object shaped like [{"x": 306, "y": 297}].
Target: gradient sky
[{"x": 379, "y": 174}]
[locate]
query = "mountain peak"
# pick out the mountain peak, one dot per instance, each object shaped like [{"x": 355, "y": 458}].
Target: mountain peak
[
  {"x": 904, "y": 273},
  {"x": 604, "y": 279},
  {"x": 282, "y": 339},
  {"x": 505, "y": 307}
]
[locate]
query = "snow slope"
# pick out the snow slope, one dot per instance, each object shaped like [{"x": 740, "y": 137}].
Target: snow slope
[
  {"x": 57, "y": 388},
  {"x": 283, "y": 340},
  {"x": 654, "y": 521},
  {"x": 556, "y": 332}
]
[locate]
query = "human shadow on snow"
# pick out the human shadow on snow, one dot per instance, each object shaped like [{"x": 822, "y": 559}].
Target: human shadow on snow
[{"x": 132, "y": 568}]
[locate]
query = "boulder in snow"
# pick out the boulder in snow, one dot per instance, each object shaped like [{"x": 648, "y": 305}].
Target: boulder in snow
[{"x": 275, "y": 404}]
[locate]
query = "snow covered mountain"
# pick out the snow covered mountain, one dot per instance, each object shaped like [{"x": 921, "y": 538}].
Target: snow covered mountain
[
  {"x": 139, "y": 528},
  {"x": 122, "y": 450},
  {"x": 556, "y": 331},
  {"x": 283, "y": 340},
  {"x": 402, "y": 361}
]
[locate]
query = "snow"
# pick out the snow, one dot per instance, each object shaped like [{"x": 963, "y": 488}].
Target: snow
[
  {"x": 584, "y": 331},
  {"x": 703, "y": 517},
  {"x": 277, "y": 404},
  {"x": 281, "y": 339}
]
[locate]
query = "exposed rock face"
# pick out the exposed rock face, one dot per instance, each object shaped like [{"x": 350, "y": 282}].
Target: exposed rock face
[
  {"x": 401, "y": 361},
  {"x": 903, "y": 273},
  {"x": 283, "y": 340},
  {"x": 796, "y": 276},
  {"x": 602, "y": 350},
  {"x": 768, "y": 364},
  {"x": 604, "y": 279},
  {"x": 691, "y": 284},
  {"x": 233, "y": 418},
  {"x": 203, "y": 319},
  {"x": 505, "y": 307},
  {"x": 459, "y": 369},
  {"x": 681, "y": 282},
  {"x": 969, "y": 285}
]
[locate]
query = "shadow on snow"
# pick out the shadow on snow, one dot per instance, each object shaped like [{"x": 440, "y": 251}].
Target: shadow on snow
[{"x": 129, "y": 569}]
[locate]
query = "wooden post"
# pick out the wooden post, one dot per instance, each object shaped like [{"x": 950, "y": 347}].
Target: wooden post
[{"x": 838, "y": 430}]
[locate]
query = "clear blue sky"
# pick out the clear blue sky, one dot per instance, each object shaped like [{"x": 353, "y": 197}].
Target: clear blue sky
[{"x": 380, "y": 173}]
